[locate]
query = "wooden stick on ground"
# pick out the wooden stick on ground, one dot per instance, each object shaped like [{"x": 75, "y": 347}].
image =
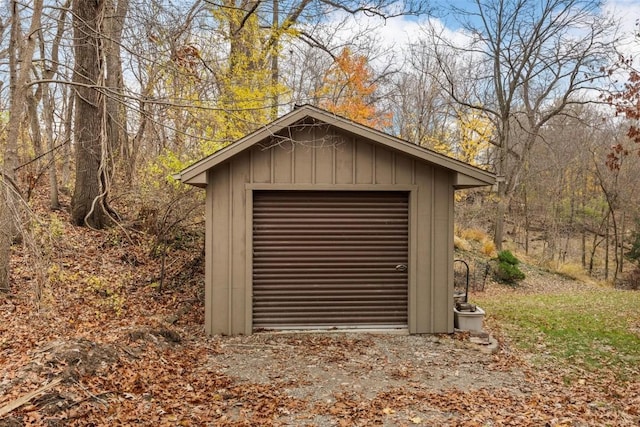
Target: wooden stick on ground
[{"x": 14, "y": 404}]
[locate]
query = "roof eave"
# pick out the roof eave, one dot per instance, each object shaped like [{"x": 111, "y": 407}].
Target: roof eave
[
  {"x": 196, "y": 173},
  {"x": 199, "y": 180},
  {"x": 464, "y": 181},
  {"x": 240, "y": 145}
]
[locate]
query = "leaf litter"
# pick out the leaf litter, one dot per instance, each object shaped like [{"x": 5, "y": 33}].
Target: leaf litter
[{"x": 125, "y": 353}]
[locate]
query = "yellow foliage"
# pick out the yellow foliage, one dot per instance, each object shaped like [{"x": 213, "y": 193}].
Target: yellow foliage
[
  {"x": 488, "y": 248},
  {"x": 159, "y": 171},
  {"x": 475, "y": 133},
  {"x": 460, "y": 243},
  {"x": 247, "y": 89},
  {"x": 56, "y": 275},
  {"x": 573, "y": 271},
  {"x": 441, "y": 147},
  {"x": 474, "y": 234},
  {"x": 111, "y": 294}
]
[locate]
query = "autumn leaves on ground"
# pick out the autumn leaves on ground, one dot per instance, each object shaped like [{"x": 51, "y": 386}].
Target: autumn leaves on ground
[{"x": 103, "y": 344}]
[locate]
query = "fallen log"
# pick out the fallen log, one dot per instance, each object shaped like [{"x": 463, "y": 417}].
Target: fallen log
[{"x": 16, "y": 403}]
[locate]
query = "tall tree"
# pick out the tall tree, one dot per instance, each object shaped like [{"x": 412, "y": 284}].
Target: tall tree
[
  {"x": 115, "y": 12},
  {"x": 100, "y": 114},
  {"x": 529, "y": 61},
  {"x": 49, "y": 71},
  {"x": 247, "y": 84},
  {"x": 423, "y": 112},
  {"x": 348, "y": 90},
  {"x": 89, "y": 202},
  {"x": 21, "y": 49}
]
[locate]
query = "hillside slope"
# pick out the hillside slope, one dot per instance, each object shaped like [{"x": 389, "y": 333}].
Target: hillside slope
[{"x": 102, "y": 344}]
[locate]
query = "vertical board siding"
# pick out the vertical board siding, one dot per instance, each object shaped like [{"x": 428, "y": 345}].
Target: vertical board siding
[
  {"x": 424, "y": 234},
  {"x": 208, "y": 265},
  {"x": 383, "y": 166},
  {"x": 325, "y": 145},
  {"x": 220, "y": 250},
  {"x": 261, "y": 164},
  {"x": 442, "y": 257},
  {"x": 240, "y": 174},
  {"x": 404, "y": 170},
  {"x": 324, "y": 164},
  {"x": 325, "y": 159},
  {"x": 303, "y": 158},
  {"x": 343, "y": 154},
  {"x": 282, "y": 156},
  {"x": 364, "y": 163}
]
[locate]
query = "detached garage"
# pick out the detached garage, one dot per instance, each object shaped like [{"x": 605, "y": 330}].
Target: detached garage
[{"x": 317, "y": 222}]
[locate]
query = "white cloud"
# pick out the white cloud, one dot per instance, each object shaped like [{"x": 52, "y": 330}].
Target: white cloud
[
  {"x": 392, "y": 35},
  {"x": 628, "y": 14},
  {"x": 400, "y": 31},
  {"x": 395, "y": 34}
]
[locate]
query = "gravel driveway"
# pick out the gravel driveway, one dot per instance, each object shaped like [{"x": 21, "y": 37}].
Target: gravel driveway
[{"x": 382, "y": 378}]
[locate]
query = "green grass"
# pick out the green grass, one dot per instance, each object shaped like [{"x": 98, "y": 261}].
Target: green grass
[{"x": 592, "y": 331}]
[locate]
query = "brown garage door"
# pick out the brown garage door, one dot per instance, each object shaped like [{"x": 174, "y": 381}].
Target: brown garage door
[{"x": 326, "y": 259}]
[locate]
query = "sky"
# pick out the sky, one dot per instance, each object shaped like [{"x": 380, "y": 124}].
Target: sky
[
  {"x": 397, "y": 32},
  {"x": 628, "y": 12}
]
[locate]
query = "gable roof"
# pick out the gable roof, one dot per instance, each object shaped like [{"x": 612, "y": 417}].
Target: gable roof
[{"x": 468, "y": 176}]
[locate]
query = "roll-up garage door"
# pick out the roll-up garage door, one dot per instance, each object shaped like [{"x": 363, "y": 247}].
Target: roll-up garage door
[{"x": 324, "y": 259}]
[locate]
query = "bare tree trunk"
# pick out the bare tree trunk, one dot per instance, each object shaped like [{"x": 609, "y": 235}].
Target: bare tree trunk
[
  {"x": 504, "y": 186},
  {"x": 527, "y": 220},
  {"x": 274, "y": 61},
  {"x": 614, "y": 222},
  {"x": 606, "y": 250},
  {"x": 66, "y": 148},
  {"x": 48, "y": 106},
  {"x": 88, "y": 204},
  {"x": 18, "y": 76},
  {"x": 137, "y": 140},
  {"x": 500, "y": 214},
  {"x": 583, "y": 245},
  {"x": 114, "y": 16},
  {"x": 584, "y": 226},
  {"x": 621, "y": 242},
  {"x": 596, "y": 243},
  {"x": 592, "y": 256},
  {"x": 54, "y": 202},
  {"x": 32, "y": 100}
]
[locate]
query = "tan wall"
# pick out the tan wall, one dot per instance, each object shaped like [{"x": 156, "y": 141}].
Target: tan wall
[{"x": 324, "y": 161}]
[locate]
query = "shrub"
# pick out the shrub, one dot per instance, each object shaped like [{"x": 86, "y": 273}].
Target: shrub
[
  {"x": 507, "y": 257},
  {"x": 474, "y": 234},
  {"x": 507, "y": 270},
  {"x": 488, "y": 247},
  {"x": 634, "y": 253},
  {"x": 631, "y": 280},
  {"x": 460, "y": 243},
  {"x": 573, "y": 271}
]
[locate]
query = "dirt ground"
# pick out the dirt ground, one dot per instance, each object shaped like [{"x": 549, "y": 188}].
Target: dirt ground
[
  {"x": 324, "y": 369},
  {"x": 316, "y": 379},
  {"x": 102, "y": 345},
  {"x": 176, "y": 376}
]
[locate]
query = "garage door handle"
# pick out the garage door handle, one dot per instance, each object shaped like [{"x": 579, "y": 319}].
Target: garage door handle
[{"x": 401, "y": 267}]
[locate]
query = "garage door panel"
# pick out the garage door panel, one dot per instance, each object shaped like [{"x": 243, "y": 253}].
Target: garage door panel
[{"x": 328, "y": 259}]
